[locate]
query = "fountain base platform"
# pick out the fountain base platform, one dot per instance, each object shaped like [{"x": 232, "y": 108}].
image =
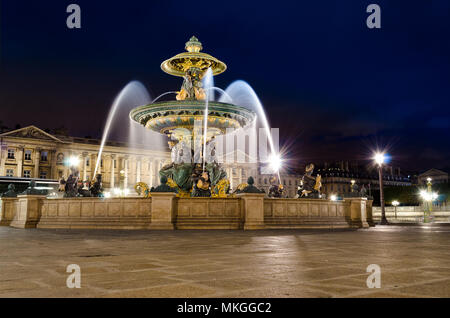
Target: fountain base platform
[{"x": 248, "y": 211}]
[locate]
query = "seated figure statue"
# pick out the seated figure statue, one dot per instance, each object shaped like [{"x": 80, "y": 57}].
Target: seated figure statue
[
  {"x": 70, "y": 186},
  {"x": 31, "y": 190},
  {"x": 309, "y": 185},
  {"x": 163, "y": 187},
  {"x": 96, "y": 189},
  {"x": 276, "y": 190},
  {"x": 202, "y": 185},
  {"x": 250, "y": 188}
]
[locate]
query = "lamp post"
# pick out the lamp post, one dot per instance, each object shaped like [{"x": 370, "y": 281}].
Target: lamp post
[
  {"x": 428, "y": 197},
  {"x": 395, "y": 204},
  {"x": 379, "y": 159}
]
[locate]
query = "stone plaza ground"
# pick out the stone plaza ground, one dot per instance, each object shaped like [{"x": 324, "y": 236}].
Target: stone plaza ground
[{"x": 414, "y": 261}]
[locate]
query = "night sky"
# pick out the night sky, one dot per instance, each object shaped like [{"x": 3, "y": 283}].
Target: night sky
[{"x": 335, "y": 88}]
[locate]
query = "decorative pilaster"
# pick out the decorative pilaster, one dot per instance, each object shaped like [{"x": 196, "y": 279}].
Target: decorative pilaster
[
  {"x": 125, "y": 180},
  {"x": 37, "y": 158},
  {"x": 150, "y": 173},
  {"x": 3, "y": 155},
  {"x": 240, "y": 175},
  {"x": 92, "y": 166},
  {"x": 138, "y": 169},
  {"x": 19, "y": 161},
  {"x": 155, "y": 180},
  {"x": 113, "y": 158},
  {"x": 53, "y": 163}
]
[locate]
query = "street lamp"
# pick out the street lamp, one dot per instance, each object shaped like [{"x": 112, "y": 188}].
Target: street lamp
[
  {"x": 395, "y": 203},
  {"x": 74, "y": 161},
  {"x": 428, "y": 196},
  {"x": 379, "y": 160}
]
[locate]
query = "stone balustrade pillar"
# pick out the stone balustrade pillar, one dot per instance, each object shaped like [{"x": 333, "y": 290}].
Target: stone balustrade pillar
[
  {"x": 369, "y": 214},
  {"x": 28, "y": 211},
  {"x": 163, "y": 211},
  {"x": 8, "y": 208},
  {"x": 358, "y": 212},
  {"x": 253, "y": 204}
]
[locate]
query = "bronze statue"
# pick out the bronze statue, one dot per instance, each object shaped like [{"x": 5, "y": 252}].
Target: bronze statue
[
  {"x": 202, "y": 185},
  {"x": 96, "y": 189},
  {"x": 31, "y": 190},
  {"x": 163, "y": 187},
  {"x": 11, "y": 193},
  {"x": 310, "y": 186},
  {"x": 192, "y": 87},
  {"x": 276, "y": 190}
]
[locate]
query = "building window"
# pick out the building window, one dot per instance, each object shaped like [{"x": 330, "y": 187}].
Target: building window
[
  {"x": 101, "y": 163},
  {"x": 87, "y": 162},
  {"x": 10, "y": 172},
  {"x": 43, "y": 175},
  {"x": 27, "y": 173},
  {"x": 11, "y": 154},
  {"x": 114, "y": 162},
  {"x": 44, "y": 156},
  {"x": 27, "y": 154}
]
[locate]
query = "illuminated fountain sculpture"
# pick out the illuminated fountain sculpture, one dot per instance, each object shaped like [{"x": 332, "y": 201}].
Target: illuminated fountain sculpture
[{"x": 191, "y": 122}]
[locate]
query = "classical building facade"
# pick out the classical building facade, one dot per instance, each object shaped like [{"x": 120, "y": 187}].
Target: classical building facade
[
  {"x": 33, "y": 153},
  {"x": 437, "y": 176},
  {"x": 337, "y": 176}
]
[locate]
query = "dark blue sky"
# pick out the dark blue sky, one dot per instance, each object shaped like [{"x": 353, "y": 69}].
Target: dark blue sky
[{"x": 335, "y": 88}]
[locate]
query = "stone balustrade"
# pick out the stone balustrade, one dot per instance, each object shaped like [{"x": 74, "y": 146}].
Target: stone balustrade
[
  {"x": 412, "y": 214},
  {"x": 164, "y": 211}
]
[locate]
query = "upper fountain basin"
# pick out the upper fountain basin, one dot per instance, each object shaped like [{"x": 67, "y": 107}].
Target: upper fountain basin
[{"x": 163, "y": 117}]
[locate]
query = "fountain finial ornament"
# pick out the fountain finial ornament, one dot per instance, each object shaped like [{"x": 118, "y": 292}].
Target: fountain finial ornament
[
  {"x": 192, "y": 66},
  {"x": 193, "y": 45}
]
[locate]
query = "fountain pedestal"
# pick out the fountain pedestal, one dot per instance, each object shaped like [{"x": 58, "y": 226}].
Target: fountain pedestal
[{"x": 163, "y": 211}]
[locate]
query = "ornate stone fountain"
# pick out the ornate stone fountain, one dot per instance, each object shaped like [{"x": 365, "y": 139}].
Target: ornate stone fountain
[{"x": 193, "y": 173}]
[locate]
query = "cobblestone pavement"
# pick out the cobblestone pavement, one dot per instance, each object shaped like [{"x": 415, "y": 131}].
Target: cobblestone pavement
[{"x": 414, "y": 261}]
